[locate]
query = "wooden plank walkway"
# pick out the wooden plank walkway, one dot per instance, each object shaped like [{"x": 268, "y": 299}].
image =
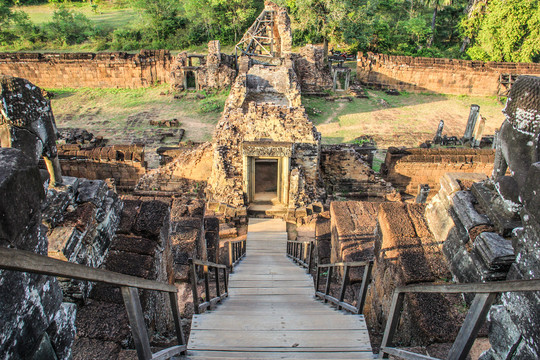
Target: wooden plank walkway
[{"x": 271, "y": 312}]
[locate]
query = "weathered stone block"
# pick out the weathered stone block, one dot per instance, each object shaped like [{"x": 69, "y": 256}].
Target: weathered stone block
[
  {"x": 93, "y": 191},
  {"x": 102, "y": 321},
  {"x": 496, "y": 252},
  {"x": 152, "y": 219},
  {"x": 62, "y": 331},
  {"x": 464, "y": 209},
  {"x": 21, "y": 192}
]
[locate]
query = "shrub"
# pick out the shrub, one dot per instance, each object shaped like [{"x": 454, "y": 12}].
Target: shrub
[
  {"x": 68, "y": 27},
  {"x": 211, "y": 105}
]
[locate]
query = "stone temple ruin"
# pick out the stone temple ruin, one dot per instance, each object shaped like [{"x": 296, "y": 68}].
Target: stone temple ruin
[{"x": 431, "y": 217}]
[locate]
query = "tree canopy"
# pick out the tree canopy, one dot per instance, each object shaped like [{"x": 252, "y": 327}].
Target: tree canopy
[
  {"x": 504, "y": 30},
  {"x": 497, "y": 30}
]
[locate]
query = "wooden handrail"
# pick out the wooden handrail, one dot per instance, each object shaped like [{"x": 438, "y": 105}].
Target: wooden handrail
[
  {"x": 210, "y": 301},
  {"x": 301, "y": 252},
  {"x": 237, "y": 250},
  {"x": 494, "y": 286},
  {"x": 26, "y": 261},
  {"x": 349, "y": 264},
  {"x": 208, "y": 263},
  {"x": 345, "y": 281},
  {"x": 486, "y": 293}
]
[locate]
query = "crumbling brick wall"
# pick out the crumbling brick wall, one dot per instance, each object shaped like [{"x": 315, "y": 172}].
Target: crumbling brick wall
[
  {"x": 406, "y": 169},
  {"x": 124, "y": 163},
  {"x": 100, "y": 70},
  {"x": 140, "y": 248},
  {"x": 214, "y": 71},
  {"x": 447, "y": 76},
  {"x": 346, "y": 173},
  {"x": 313, "y": 73}
]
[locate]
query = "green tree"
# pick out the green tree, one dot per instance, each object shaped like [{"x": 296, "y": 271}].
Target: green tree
[
  {"x": 68, "y": 27},
  {"x": 15, "y": 26},
  {"x": 162, "y": 17},
  {"x": 505, "y": 31},
  {"x": 436, "y": 5},
  {"x": 225, "y": 20}
]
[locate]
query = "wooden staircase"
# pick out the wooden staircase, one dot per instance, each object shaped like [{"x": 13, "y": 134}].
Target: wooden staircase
[{"x": 271, "y": 312}]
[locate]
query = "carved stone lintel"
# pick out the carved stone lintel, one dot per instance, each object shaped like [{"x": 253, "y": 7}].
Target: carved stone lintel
[{"x": 267, "y": 150}]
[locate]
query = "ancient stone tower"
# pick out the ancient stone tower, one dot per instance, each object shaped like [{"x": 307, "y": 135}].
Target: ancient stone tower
[{"x": 265, "y": 147}]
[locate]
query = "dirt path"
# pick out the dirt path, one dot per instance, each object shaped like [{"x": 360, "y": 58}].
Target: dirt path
[{"x": 334, "y": 115}]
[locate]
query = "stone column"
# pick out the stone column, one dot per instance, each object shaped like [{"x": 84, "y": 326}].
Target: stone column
[
  {"x": 478, "y": 131},
  {"x": 471, "y": 123},
  {"x": 438, "y": 135}
]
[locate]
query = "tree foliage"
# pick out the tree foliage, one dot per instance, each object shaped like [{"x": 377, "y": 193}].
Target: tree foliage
[
  {"x": 504, "y": 30},
  {"x": 68, "y": 27},
  {"x": 501, "y": 30}
]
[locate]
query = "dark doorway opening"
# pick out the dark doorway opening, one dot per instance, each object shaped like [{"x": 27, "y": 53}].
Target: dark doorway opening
[
  {"x": 266, "y": 174},
  {"x": 191, "y": 83}
]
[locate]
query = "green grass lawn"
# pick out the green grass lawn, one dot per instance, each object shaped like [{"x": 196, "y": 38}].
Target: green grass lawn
[
  {"x": 122, "y": 115},
  {"x": 404, "y": 120},
  {"x": 106, "y": 16}
]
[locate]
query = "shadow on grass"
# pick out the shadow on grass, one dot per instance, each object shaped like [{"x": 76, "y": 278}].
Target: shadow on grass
[
  {"x": 332, "y": 140},
  {"x": 320, "y": 109},
  {"x": 61, "y": 93}
]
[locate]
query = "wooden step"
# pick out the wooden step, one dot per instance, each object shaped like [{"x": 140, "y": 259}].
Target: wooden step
[{"x": 271, "y": 312}]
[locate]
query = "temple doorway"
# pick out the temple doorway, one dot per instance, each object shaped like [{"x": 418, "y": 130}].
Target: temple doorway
[
  {"x": 266, "y": 180},
  {"x": 191, "y": 80}
]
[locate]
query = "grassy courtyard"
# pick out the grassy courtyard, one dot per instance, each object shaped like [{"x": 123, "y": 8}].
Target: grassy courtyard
[{"x": 123, "y": 115}]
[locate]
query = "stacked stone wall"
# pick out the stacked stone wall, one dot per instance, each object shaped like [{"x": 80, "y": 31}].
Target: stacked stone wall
[
  {"x": 124, "y": 163},
  {"x": 346, "y": 173},
  {"x": 407, "y": 253},
  {"x": 100, "y": 70},
  {"x": 447, "y": 76},
  {"x": 406, "y": 169}
]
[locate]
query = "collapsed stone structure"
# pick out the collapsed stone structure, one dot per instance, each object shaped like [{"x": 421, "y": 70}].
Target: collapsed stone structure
[
  {"x": 267, "y": 152},
  {"x": 197, "y": 72},
  {"x": 264, "y": 131},
  {"x": 475, "y": 229},
  {"x": 264, "y": 120},
  {"x": 27, "y": 123}
]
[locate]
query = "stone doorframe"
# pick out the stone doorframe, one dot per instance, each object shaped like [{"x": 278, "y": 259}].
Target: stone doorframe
[{"x": 280, "y": 151}]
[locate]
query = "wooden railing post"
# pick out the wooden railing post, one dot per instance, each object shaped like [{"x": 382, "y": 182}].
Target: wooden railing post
[
  {"x": 344, "y": 283},
  {"x": 366, "y": 279},
  {"x": 317, "y": 278},
  {"x": 194, "y": 290},
  {"x": 473, "y": 322},
  {"x": 206, "y": 284},
  {"x": 226, "y": 280},
  {"x": 310, "y": 257},
  {"x": 216, "y": 274},
  {"x": 393, "y": 319},
  {"x": 231, "y": 262},
  {"x": 328, "y": 280},
  {"x": 136, "y": 322},
  {"x": 173, "y": 297}
]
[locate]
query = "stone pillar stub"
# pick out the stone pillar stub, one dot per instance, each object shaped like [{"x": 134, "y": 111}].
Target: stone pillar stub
[{"x": 471, "y": 122}]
